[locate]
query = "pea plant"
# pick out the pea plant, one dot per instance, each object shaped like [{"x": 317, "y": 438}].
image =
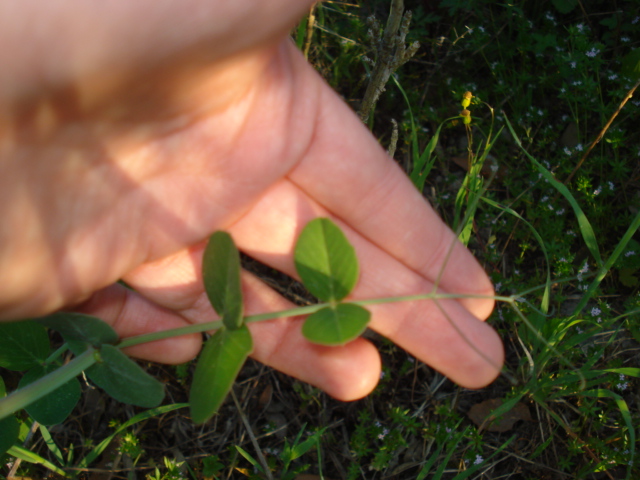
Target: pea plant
[{"x": 326, "y": 263}]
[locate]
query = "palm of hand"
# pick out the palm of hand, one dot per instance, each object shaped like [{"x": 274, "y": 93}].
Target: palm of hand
[{"x": 130, "y": 188}]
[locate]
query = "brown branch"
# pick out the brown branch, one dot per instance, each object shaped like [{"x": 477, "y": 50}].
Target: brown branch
[{"x": 603, "y": 131}]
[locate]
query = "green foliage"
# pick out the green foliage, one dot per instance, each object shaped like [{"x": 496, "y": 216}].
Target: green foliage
[
  {"x": 124, "y": 379},
  {"x": 555, "y": 74},
  {"x": 326, "y": 261},
  {"x": 23, "y": 345},
  {"x": 221, "y": 277},
  {"x": 219, "y": 364}
]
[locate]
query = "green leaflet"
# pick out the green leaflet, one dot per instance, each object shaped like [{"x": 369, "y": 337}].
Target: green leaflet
[
  {"x": 80, "y": 330},
  {"x": 336, "y": 325},
  {"x": 218, "y": 366},
  {"x": 124, "y": 379},
  {"x": 56, "y": 406},
  {"x": 326, "y": 261},
  {"x": 221, "y": 277},
  {"x": 23, "y": 345}
]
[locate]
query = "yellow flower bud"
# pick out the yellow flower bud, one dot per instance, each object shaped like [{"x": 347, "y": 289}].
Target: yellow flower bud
[
  {"x": 466, "y": 116},
  {"x": 466, "y": 99}
]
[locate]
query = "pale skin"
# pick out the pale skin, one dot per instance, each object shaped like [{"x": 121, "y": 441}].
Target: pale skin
[{"x": 133, "y": 130}]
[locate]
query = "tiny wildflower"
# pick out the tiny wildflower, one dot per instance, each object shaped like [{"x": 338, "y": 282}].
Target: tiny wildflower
[
  {"x": 613, "y": 76},
  {"x": 384, "y": 433},
  {"x": 577, "y": 83},
  {"x": 498, "y": 286},
  {"x": 592, "y": 53},
  {"x": 562, "y": 259},
  {"x": 622, "y": 385},
  {"x": 611, "y": 186},
  {"x": 597, "y": 191},
  {"x": 560, "y": 211},
  {"x": 571, "y": 233},
  {"x": 573, "y": 64},
  {"x": 448, "y": 430},
  {"x": 563, "y": 90},
  {"x": 567, "y": 150},
  {"x": 635, "y": 20},
  {"x": 585, "y": 268},
  {"x": 550, "y": 207},
  {"x": 580, "y": 27},
  {"x": 595, "y": 311},
  {"x": 382, "y": 374},
  {"x": 478, "y": 460},
  {"x": 579, "y": 147},
  {"x": 629, "y": 253},
  {"x": 625, "y": 39}
]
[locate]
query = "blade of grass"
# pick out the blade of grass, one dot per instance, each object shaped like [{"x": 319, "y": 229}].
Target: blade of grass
[{"x": 585, "y": 226}]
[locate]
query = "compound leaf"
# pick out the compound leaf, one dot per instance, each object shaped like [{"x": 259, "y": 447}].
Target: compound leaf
[
  {"x": 23, "y": 345},
  {"x": 221, "y": 277},
  {"x": 336, "y": 325},
  {"x": 218, "y": 366},
  {"x": 326, "y": 261},
  {"x": 56, "y": 406},
  {"x": 124, "y": 379}
]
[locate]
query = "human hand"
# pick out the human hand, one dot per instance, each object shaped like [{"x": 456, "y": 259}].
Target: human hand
[{"x": 125, "y": 144}]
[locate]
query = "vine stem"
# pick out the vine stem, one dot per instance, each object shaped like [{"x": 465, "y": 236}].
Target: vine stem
[{"x": 293, "y": 312}]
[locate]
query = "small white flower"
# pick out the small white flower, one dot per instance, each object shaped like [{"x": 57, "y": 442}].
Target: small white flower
[
  {"x": 597, "y": 191},
  {"x": 579, "y": 147},
  {"x": 595, "y": 311},
  {"x": 567, "y": 150},
  {"x": 629, "y": 253},
  {"x": 585, "y": 268},
  {"x": 613, "y": 76},
  {"x": 573, "y": 64},
  {"x": 560, "y": 212},
  {"x": 592, "y": 53},
  {"x": 625, "y": 39},
  {"x": 577, "y": 83},
  {"x": 580, "y": 27},
  {"x": 478, "y": 460},
  {"x": 610, "y": 185}
]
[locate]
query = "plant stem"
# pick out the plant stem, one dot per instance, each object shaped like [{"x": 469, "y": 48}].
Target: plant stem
[
  {"x": 38, "y": 389},
  {"x": 293, "y": 312}
]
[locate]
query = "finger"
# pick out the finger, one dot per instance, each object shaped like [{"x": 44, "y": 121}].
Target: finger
[
  {"x": 443, "y": 334},
  {"x": 347, "y": 172},
  {"x": 175, "y": 283}
]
